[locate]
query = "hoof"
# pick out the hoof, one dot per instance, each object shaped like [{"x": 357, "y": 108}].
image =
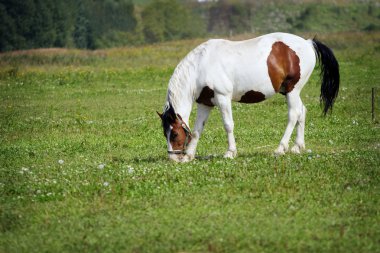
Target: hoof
[
  {"x": 230, "y": 154},
  {"x": 296, "y": 149},
  {"x": 280, "y": 150}
]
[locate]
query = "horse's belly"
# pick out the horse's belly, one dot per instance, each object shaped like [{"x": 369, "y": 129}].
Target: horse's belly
[
  {"x": 251, "y": 96},
  {"x": 253, "y": 91}
]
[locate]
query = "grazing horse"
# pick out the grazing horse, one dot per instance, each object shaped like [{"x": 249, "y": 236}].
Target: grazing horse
[{"x": 220, "y": 71}]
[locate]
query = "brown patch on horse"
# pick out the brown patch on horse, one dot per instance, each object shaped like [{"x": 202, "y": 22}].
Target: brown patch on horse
[
  {"x": 205, "y": 97},
  {"x": 178, "y": 136},
  {"x": 252, "y": 97},
  {"x": 283, "y": 67}
]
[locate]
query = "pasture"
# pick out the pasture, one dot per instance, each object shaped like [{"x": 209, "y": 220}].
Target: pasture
[{"x": 84, "y": 168}]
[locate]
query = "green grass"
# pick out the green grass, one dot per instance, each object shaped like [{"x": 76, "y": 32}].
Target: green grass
[{"x": 115, "y": 190}]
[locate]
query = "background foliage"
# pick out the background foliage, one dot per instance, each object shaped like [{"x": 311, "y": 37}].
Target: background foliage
[{"x": 93, "y": 24}]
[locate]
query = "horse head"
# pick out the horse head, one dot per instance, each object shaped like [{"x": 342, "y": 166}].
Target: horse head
[{"x": 176, "y": 132}]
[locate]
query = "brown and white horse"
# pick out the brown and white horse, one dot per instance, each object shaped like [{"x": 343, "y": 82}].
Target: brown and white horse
[{"x": 220, "y": 71}]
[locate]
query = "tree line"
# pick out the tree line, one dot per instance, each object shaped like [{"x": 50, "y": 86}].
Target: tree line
[
  {"x": 92, "y": 24},
  {"x": 28, "y": 24}
]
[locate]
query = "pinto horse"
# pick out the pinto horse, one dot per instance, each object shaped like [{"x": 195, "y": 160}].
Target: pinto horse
[{"x": 220, "y": 71}]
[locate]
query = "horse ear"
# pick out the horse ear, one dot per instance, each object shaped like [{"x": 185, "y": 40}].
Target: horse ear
[
  {"x": 171, "y": 113},
  {"x": 159, "y": 114}
]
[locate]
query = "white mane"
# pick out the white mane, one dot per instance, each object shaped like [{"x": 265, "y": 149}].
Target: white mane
[{"x": 183, "y": 79}]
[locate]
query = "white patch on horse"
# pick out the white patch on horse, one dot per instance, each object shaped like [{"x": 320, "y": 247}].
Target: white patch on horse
[{"x": 168, "y": 133}]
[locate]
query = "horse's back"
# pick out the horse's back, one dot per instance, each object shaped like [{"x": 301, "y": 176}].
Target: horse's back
[{"x": 258, "y": 65}]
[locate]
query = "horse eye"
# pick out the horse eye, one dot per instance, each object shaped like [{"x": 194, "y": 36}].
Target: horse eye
[{"x": 174, "y": 135}]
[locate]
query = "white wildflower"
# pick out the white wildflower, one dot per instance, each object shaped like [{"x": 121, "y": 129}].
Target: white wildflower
[
  {"x": 23, "y": 170},
  {"x": 105, "y": 184},
  {"x": 130, "y": 170},
  {"x": 60, "y": 161},
  {"x": 101, "y": 166}
]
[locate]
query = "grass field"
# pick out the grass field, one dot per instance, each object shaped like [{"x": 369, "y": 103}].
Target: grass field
[{"x": 83, "y": 163}]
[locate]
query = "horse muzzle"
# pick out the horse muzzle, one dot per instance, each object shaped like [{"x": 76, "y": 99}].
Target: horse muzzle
[{"x": 176, "y": 156}]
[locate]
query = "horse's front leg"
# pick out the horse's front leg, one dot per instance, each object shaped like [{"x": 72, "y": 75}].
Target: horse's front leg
[
  {"x": 224, "y": 104},
  {"x": 203, "y": 111}
]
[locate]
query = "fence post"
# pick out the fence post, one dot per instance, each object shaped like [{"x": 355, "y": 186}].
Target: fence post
[{"x": 373, "y": 104}]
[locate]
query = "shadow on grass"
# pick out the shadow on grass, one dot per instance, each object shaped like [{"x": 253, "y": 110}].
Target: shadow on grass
[
  {"x": 204, "y": 157},
  {"x": 151, "y": 159},
  {"x": 164, "y": 159},
  {"x": 241, "y": 155}
]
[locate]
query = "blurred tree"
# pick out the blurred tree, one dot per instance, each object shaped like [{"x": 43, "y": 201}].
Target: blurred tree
[
  {"x": 153, "y": 20},
  {"x": 168, "y": 20},
  {"x": 7, "y": 30},
  {"x": 42, "y": 31},
  {"x": 21, "y": 12},
  {"x": 83, "y": 37},
  {"x": 226, "y": 17},
  {"x": 109, "y": 19},
  {"x": 63, "y": 22}
]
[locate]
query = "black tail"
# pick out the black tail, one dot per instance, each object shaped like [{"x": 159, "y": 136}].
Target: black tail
[{"x": 329, "y": 75}]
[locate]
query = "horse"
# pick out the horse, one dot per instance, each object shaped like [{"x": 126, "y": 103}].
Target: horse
[{"x": 220, "y": 71}]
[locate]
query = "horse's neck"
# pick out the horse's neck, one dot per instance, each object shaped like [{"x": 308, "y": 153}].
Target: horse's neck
[
  {"x": 181, "y": 94},
  {"x": 182, "y": 84},
  {"x": 182, "y": 101}
]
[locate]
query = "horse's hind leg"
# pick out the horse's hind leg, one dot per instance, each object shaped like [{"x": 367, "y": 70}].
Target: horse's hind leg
[
  {"x": 299, "y": 145},
  {"x": 224, "y": 103},
  {"x": 296, "y": 113},
  {"x": 203, "y": 111}
]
